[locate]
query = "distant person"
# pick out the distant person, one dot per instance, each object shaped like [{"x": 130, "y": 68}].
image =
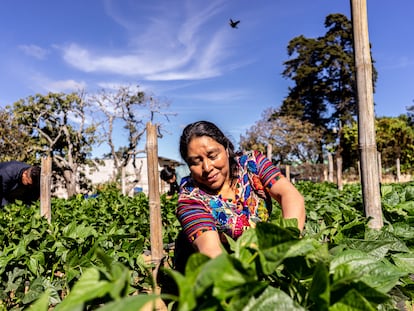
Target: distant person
[
  {"x": 19, "y": 181},
  {"x": 168, "y": 175}
]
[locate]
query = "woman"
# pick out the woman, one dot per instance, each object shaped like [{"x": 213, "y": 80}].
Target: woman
[{"x": 228, "y": 192}]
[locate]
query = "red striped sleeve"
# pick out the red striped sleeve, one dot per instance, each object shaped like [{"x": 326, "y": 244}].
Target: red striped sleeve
[
  {"x": 267, "y": 171},
  {"x": 194, "y": 217}
]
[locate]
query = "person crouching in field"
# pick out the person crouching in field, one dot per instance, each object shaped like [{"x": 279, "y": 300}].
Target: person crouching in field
[{"x": 19, "y": 181}]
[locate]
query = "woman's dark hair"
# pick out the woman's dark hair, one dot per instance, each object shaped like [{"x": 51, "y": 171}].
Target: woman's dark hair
[
  {"x": 167, "y": 173},
  {"x": 206, "y": 128}
]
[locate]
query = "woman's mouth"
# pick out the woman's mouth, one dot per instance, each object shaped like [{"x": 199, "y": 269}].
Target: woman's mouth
[{"x": 212, "y": 179}]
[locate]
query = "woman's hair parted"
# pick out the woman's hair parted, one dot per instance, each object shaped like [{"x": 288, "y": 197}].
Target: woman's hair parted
[{"x": 206, "y": 128}]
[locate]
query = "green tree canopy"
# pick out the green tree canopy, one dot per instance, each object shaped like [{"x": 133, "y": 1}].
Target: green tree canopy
[
  {"x": 61, "y": 126},
  {"x": 323, "y": 72},
  {"x": 395, "y": 139}
]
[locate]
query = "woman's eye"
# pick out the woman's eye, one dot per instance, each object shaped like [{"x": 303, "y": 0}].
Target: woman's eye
[{"x": 194, "y": 162}]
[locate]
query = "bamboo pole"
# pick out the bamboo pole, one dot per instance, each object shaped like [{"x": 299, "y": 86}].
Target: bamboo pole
[
  {"x": 366, "y": 117},
  {"x": 45, "y": 183},
  {"x": 154, "y": 194}
]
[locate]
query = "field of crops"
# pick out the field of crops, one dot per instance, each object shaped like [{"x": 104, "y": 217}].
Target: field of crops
[{"x": 92, "y": 257}]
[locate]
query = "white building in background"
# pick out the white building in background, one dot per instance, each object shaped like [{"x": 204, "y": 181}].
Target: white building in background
[{"x": 136, "y": 176}]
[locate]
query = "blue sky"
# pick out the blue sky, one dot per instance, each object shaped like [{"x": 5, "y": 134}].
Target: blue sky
[{"x": 184, "y": 52}]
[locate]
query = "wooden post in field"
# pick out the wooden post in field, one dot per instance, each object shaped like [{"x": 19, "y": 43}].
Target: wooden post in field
[
  {"x": 154, "y": 194},
  {"x": 366, "y": 117},
  {"x": 398, "y": 168},
  {"x": 287, "y": 169},
  {"x": 45, "y": 185},
  {"x": 330, "y": 168},
  {"x": 339, "y": 182},
  {"x": 379, "y": 167},
  {"x": 269, "y": 151}
]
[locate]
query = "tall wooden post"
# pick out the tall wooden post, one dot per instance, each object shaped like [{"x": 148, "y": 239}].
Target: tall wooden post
[
  {"x": 287, "y": 172},
  {"x": 45, "y": 183},
  {"x": 154, "y": 194},
  {"x": 339, "y": 182},
  {"x": 398, "y": 168},
  {"x": 269, "y": 151},
  {"x": 379, "y": 167},
  {"x": 366, "y": 117},
  {"x": 330, "y": 168}
]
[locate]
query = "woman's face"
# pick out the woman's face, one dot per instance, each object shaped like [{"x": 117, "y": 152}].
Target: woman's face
[{"x": 208, "y": 162}]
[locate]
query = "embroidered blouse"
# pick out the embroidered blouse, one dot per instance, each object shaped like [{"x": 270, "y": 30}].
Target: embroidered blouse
[{"x": 199, "y": 211}]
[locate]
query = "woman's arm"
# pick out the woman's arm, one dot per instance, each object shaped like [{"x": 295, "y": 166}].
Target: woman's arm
[
  {"x": 290, "y": 199},
  {"x": 208, "y": 243}
]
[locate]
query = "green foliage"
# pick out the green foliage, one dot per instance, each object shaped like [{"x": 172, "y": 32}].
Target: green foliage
[
  {"x": 394, "y": 137},
  {"x": 323, "y": 73},
  {"x": 90, "y": 257},
  {"x": 106, "y": 235}
]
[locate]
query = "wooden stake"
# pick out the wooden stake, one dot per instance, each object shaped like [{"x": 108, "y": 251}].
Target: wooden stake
[
  {"x": 45, "y": 183},
  {"x": 366, "y": 118},
  {"x": 154, "y": 194}
]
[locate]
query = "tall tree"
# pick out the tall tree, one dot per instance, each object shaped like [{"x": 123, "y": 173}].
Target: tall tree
[
  {"x": 292, "y": 140},
  {"x": 323, "y": 73},
  {"x": 60, "y": 126},
  {"x": 129, "y": 108}
]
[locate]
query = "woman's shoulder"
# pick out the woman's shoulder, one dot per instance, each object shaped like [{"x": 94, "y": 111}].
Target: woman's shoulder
[{"x": 249, "y": 159}]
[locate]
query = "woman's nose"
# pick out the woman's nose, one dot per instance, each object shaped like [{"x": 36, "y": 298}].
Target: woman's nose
[{"x": 207, "y": 165}]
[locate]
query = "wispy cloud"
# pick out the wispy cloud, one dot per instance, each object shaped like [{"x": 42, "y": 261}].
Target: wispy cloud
[
  {"x": 175, "y": 45},
  {"x": 56, "y": 86},
  {"x": 34, "y": 51}
]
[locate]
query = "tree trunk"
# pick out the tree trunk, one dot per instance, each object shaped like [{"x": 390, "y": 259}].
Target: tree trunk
[
  {"x": 366, "y": 116},
  {"x": 123, "y": 187},
  {"x": 70, "y": 179}
]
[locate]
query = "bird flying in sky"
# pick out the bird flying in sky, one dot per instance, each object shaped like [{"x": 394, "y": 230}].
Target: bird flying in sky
[{"x": 233, "y": 24}]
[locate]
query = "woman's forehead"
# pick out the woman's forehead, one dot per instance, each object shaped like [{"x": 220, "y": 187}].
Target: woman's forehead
[{"x": 203, "y": 144}]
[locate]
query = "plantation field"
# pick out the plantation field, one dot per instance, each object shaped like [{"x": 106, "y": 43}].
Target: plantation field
[{"x": 92, "y": 257}]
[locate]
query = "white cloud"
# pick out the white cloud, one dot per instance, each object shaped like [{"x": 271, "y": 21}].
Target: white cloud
[
  {"x": 176, "y": 45},
  {"x": 57, "y": 86},
  {"x": 34, "y": 51}
]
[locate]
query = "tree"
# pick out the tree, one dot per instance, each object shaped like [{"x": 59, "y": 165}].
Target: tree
[
  {"x": 15, "y": 142},
  {"x": 58, "y": 124},
  {"x": 130, "y": 108},
  {"x": 323, "y": 72},
  {"x": 395, "y": 140},
  {"x": 292, "y": 140}
]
